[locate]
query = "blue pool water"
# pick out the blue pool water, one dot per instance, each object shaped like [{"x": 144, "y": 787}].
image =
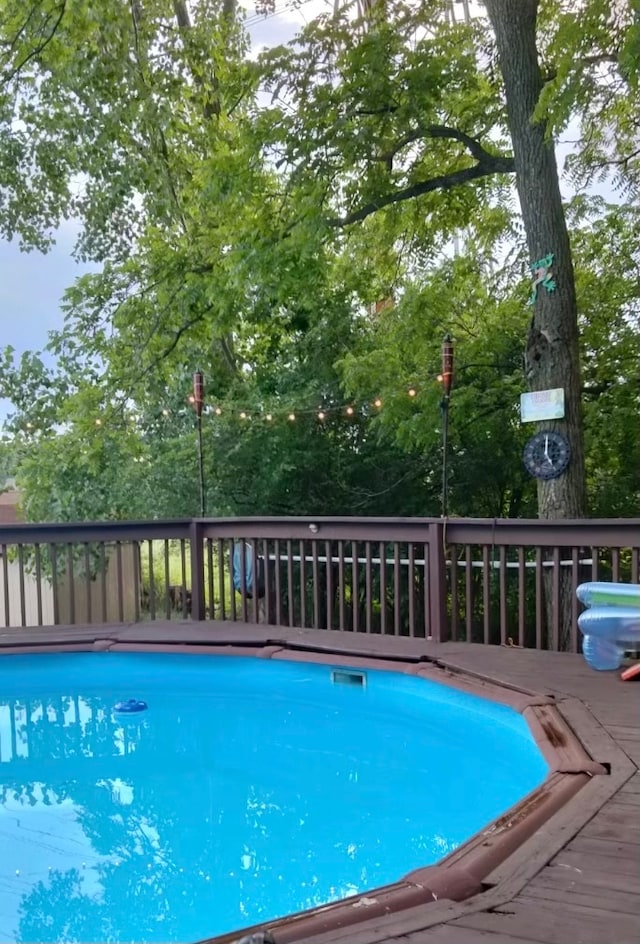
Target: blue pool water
[{"x": 247, "y": 789}]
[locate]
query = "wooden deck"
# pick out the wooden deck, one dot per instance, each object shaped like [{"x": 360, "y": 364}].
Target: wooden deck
[
  {"x": 578, "y": 878},
  {"x": 567, "y": 884}
]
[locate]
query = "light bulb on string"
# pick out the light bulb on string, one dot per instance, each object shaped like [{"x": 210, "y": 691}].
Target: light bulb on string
[
  {"x": 440, "y": 378},
  {"x": 98, "y": 422},
  {"x": 165, "y": 412},
  {"x": 322, "y": 413}
]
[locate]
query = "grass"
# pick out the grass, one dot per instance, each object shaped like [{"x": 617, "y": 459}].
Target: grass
[{"x": 170, "y": 564}]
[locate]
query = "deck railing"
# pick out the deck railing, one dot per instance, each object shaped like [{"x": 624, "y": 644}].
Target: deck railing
[{"x": 503, "y": 581}]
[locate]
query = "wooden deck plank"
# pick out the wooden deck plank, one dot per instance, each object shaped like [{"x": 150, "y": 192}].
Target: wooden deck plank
[
  {"x": 629, "y": 801},
  {"x": 614, "y": 823},
  {"x": 589, "y": 889},
  {"x": 626, "y": 731},
  {"x": 631, "y": 748},
  {"x": 613, "y": 865},
  {"x": 553, "y": 923},
  {"x": 446, "y": 934},
  {"x": 632, "y": 786},
  {"x": 403, "y": 927},
  {"x": 601, "y": 846},
  {"x": 620, "y": 807}
]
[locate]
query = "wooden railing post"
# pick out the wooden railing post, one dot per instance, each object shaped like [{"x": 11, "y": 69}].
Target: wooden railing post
[
  {"x": 196, "y": 541},
  {"x": 437, "y": 582}
]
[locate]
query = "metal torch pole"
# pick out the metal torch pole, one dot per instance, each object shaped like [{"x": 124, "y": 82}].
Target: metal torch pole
[
  {"x": 198, "y": 402},
  {"x": 447, "y": 380}
]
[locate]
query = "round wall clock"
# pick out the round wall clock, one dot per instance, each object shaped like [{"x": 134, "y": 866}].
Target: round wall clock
[{"x": 546, "y": 455}]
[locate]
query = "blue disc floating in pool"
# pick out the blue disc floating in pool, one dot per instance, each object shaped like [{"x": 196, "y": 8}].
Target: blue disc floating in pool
[{"x": 130, "y": 707}]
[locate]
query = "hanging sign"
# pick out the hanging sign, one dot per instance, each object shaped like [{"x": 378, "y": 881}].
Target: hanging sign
[{"x": 542, "y": 405}]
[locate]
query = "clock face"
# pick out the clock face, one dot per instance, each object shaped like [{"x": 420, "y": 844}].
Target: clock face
[{"x": 546, "y": 455}]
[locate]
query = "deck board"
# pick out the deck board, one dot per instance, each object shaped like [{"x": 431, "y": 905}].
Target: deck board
[
  {"x": 631, "y": 788},
  {"x": 607, "y": 847},
  {"x": 551, "y": 922},
  {"x": 573, "y": 880},
  {"x": 612, "y": 864},
  {"x": 447, "y": 934}
]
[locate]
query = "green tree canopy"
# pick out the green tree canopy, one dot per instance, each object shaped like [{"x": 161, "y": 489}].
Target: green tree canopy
[{"x": 246, "y": 217}]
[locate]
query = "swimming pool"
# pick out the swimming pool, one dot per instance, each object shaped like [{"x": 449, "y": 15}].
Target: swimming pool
[{"x": 247, "y": 789}]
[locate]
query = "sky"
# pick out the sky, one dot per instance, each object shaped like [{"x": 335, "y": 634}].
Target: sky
[{"x": 31, "y": 287}]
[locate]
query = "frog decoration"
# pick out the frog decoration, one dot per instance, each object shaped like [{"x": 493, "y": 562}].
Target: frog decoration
[{"x": 542, "y": 275}]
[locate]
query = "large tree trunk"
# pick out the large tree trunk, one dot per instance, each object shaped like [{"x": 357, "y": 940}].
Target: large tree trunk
[{"x": 552, "y": 357}]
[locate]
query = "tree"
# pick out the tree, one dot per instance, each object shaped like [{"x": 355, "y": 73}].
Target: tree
[
  {"x": 401, "y": 353},
  {"x": 552, "y": 354},
  {"x": 225, "y": 231},
  {"x": 607, "y": 255},
  {"x": 370, "y": 118}
]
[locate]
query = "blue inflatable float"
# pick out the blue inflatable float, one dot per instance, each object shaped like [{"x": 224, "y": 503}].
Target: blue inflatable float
[{"x": 610, "y": 624}]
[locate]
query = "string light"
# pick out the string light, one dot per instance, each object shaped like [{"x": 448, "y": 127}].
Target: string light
[{"x": 320, "y": 413}]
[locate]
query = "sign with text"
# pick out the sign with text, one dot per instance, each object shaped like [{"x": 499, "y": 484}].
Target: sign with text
[{"x": 542, "y": 405}]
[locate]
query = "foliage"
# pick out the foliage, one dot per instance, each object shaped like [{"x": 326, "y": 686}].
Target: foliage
[
  {"x": 592, "y": 52},
  {"x": 608, "y": 256},
  {"x": 250, "y": 240}
]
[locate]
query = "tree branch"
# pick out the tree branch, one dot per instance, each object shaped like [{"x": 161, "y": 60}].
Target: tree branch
[
  {"x": 181, "y": 13},
  {"x": 186, "y": 326},
  {"x": 227, "y": 353},
  {"x": 485, "y": 168},
  {"x": 472, "y": 145},
  {"x": 211, "y": 109},
  {"x": 9, "y": 75},
  {"x": 136, "y": 12}
]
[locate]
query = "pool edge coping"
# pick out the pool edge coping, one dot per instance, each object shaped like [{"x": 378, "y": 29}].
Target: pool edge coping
[{"x": 477, "y": 868}]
